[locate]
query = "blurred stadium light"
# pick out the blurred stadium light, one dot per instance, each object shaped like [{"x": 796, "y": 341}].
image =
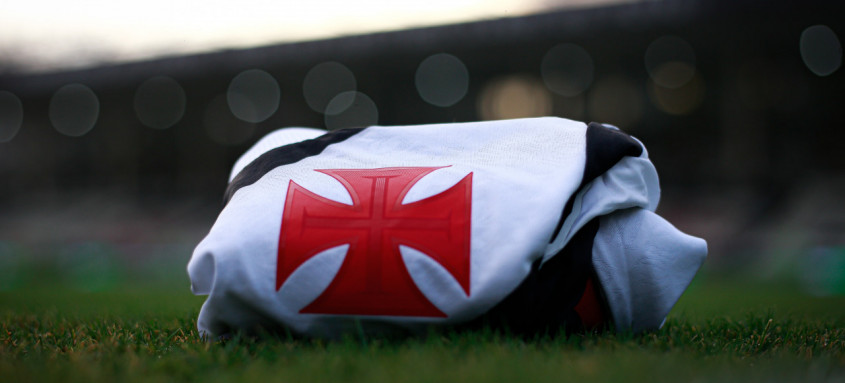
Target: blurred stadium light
[
  {"x": 160, "y": 102},
  {"x": 739, "y": 103}
]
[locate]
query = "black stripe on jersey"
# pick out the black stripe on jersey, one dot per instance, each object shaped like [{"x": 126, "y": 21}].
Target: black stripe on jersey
[
  {"x": 285, "y": 155},
  {"x": 605, "y": 147},
  {"x": 544, "y": 303}
]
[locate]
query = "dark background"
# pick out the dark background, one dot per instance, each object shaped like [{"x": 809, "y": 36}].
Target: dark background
[{"x": 749, "y": 149}]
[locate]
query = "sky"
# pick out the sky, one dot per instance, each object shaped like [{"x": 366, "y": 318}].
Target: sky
[{"x": 45, "y": 35}]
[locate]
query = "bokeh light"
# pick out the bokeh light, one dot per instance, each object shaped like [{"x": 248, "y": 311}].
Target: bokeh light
[
  {"x": 351, "y": 109},
  {"x": 670, "y": 61},
  {"x": 74, "y": 110},
  {"x": 514, "y": 96},
  {"x": 160, "y": 102},
  {"x": 571, "y": 107},
  {"x": 761, "y": 85},
  {"x": 567, "y": 69},
  {"x": 11, "y": 270},
  {"x": 222, "y": 127},
  {"x": 821, "y": 50},
  {"x": 324, "y": 82},
  {"x": 90, "y": 266},
  {"x": 442, "y": 80},
  {"x": 822, "y": 271},
  {"x": 615, "y": 100},
  {"x": 253, "y": 95},
  {"x": 678, "y": 101},
  {"x": 11, "y": 115}
]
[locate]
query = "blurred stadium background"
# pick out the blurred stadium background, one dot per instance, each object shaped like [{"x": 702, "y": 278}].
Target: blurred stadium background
[{"x": 109, "y": 164}]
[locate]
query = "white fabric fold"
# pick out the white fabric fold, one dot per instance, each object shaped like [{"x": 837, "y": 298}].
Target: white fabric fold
[{"x": 644, "y": 264}]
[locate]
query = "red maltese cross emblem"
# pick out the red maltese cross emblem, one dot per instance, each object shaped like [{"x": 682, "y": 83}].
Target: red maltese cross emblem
[{"x": 373, "y": 279}]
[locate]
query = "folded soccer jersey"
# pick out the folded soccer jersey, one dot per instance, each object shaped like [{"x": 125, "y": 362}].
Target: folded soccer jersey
[{"x": 535, "y": 224}]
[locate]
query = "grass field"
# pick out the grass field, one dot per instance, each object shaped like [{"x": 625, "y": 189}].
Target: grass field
[{"x": 144, "y": 330}]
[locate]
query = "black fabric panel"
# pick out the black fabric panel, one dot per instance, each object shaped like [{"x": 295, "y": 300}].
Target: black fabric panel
[
  {"x": 284, "y": 155},
  {"x": 605, "y": 147},
  {"x": 544, "y": 304}
]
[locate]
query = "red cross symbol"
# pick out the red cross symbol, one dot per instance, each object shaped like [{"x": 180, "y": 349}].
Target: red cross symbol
[{"x": 373, "y": 279}]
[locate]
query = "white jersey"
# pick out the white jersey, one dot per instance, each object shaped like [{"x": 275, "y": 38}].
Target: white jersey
[{"x": 532, "y": 223}]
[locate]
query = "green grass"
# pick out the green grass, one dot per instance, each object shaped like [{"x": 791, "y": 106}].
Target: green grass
[{"x": 721, "y": 330}]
